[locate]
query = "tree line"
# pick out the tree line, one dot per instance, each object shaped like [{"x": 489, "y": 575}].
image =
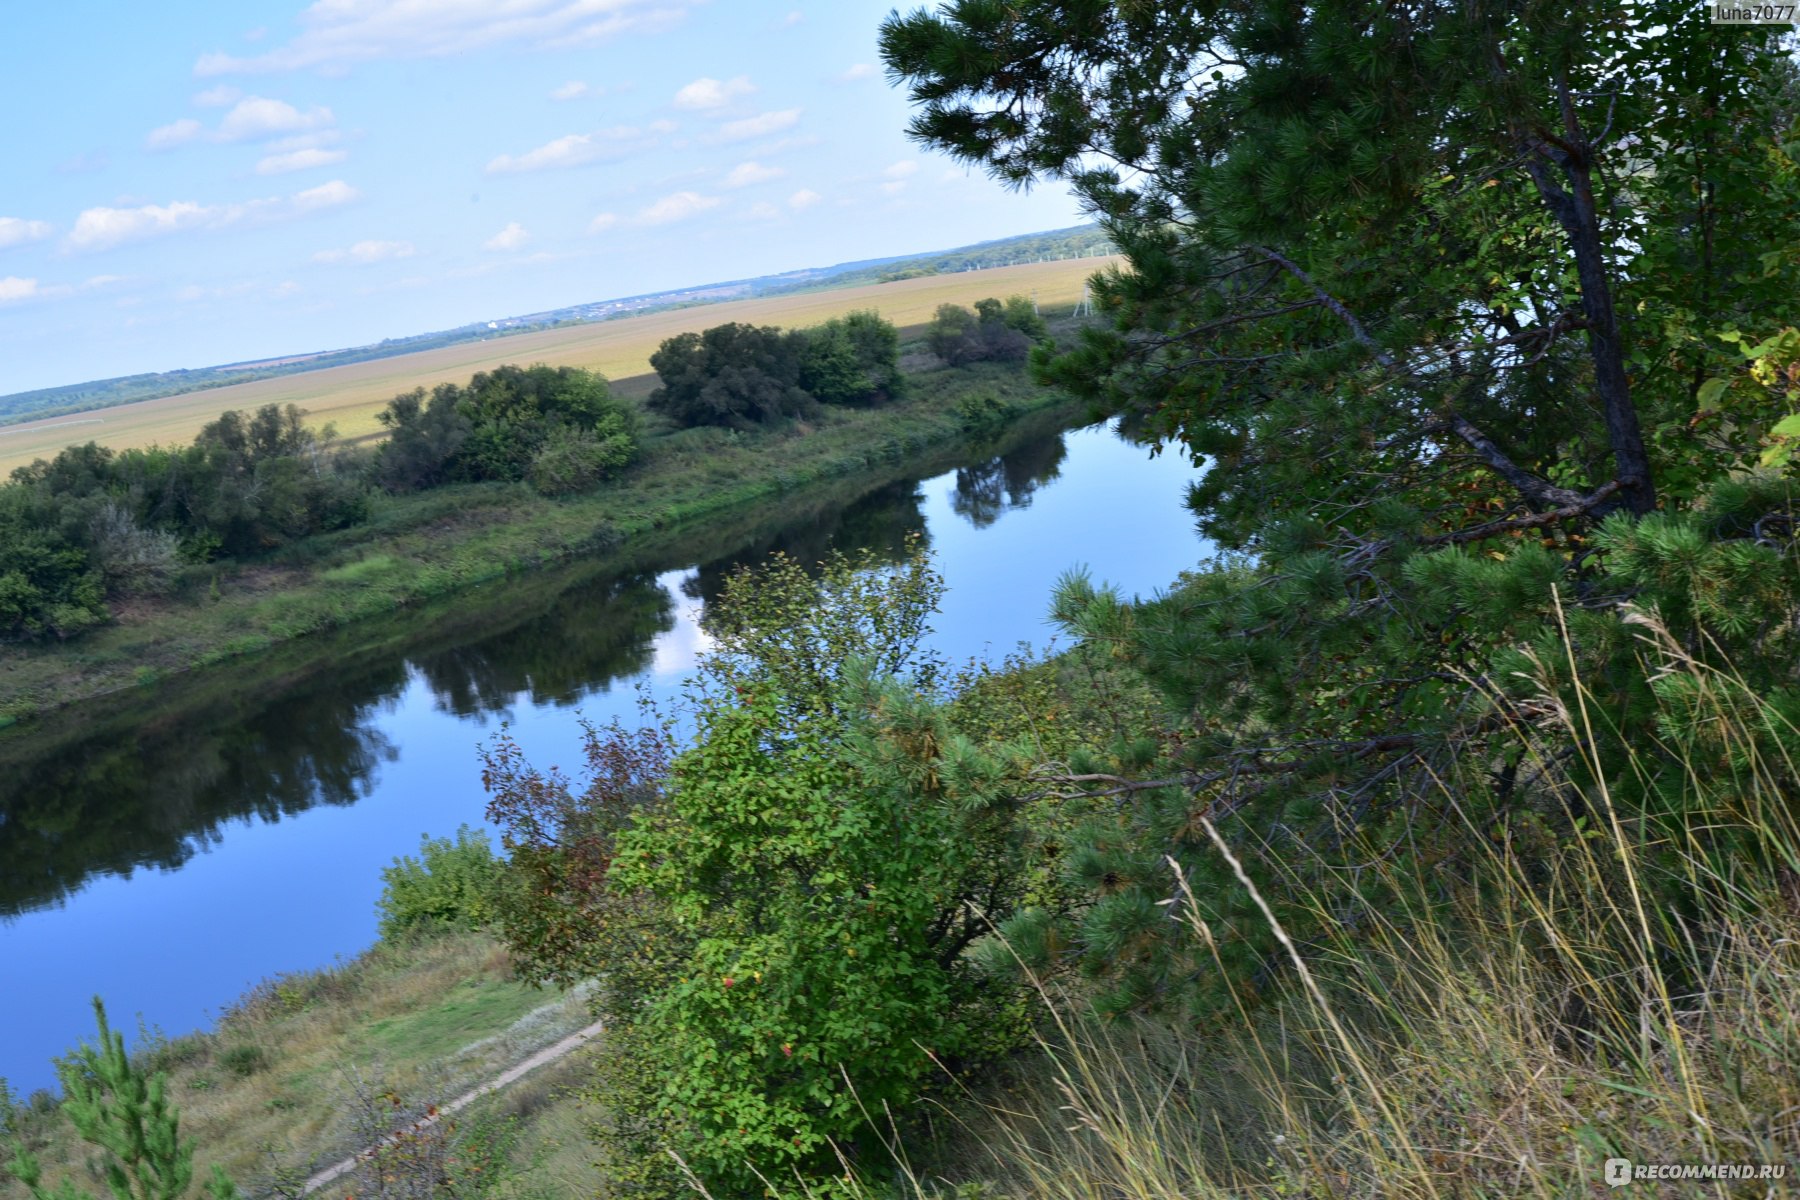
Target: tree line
[{"x": 95, "y": 526}]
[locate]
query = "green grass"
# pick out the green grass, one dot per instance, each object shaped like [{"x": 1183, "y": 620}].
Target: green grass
[
  {"x": 362, "y": 571},
  {"x": 474, "y": 1009},
  {"x": 689, "y": 488},
  {"x": 267, "y": 1089}
]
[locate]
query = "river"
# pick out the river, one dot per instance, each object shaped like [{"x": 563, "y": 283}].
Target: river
[{"x": 174, "y": 851}]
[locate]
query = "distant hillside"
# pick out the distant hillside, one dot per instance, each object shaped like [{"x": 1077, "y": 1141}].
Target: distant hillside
[{"x": 1080, "y": 241}]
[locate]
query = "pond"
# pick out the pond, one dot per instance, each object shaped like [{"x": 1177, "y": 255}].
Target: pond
[{"x": 173, "y": 853}]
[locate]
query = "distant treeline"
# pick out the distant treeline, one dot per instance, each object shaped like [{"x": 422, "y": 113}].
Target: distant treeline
[
  {"x": 1081, "y": 241},
  {"x": 94, "y": 525},
  {"x": 128, "y": 389},
  {"x": 1078, "y": 242}
]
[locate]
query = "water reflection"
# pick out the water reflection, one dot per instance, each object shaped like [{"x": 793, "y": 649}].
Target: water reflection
[
  {"x": 157, "y": 781},
  {"x": 156, "y": 796},
  {"x": 589, "y": 638},
  {"x": 877, "y": 523},
  {"x": 1006, "y": 481}
]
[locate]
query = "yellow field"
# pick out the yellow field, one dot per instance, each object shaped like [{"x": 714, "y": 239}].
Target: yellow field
[{"x": 350, "y": 396}]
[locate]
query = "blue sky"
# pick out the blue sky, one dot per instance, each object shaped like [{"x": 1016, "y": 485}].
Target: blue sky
[{"x": 196, "y": 183}]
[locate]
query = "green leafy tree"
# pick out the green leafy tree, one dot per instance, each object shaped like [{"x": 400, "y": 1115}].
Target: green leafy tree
[
  {"x": 518, "y": 414},
  {"x": 854, "y": 359},
  {"x": 736, "y": 375},
  {"x": 423, "y": 438},
  {"x": 781, "y": 912},
  {"x": 998, "y": 331},
  {"x": 117, "y": 1107}
]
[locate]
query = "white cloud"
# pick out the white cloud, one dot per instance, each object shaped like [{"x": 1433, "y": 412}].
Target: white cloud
[
  {"x": 166, "y": 137},
  {"x": 256, "y": 117},
  {"x": 510, "y": 238},
  {"x": 575, "y": 150},
  {"x": 903, "y": 169},
  {"x": 572, "y": 90},
  {"x": 603, "y": 222},
  {"x": 305, "y": 141},
  {"x": 299, "y": 160},
  {"x": 663, "y": 126},
  {"x": 855, "y": 72},
  {"x": 793, "y": 18},
  {"x": 217, "y": 97},
  {"x": 745, "y": 174},
  {"x": 326, "y": 195},
  {"x": 252, "y": 118},
  {"x": 13, "y": 288},
  {"x": 803, "y": 199},
  {"x": 759, "y": 125},
  {"x": 706, "y": 93},
  {"x": 677, "y": 207},
  {"x": 893, "y": 187},
  {"x": 764, "y": 211},
  {"x": 363, "y": 253},
  {"x": 337, "y": 33},
  {"x": 16, "y": 231},
  {"x": 103, "y": 227}
]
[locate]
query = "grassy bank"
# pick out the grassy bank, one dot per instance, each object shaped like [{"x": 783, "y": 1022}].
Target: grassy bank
[
  {"x": 271, "y": 1092},
  {"x": 421, "y": 547}
]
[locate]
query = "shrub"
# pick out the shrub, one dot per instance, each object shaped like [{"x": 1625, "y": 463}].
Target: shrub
[
  {"x": 450, "y": 883},
  {"x": 243, "y": 1060},
  {"x": 853, "y": 359},
  {"x": 736, "y": 375},
  {"x": 575, "y": 460},
  {"x": 996, "y": 331}
]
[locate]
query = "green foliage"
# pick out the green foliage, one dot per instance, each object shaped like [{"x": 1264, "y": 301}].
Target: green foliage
[
  {"x": 92, "y": 524},
  {"x": 558, "y": 427},
  {"x": 513, "y": 413},
  {"x": 423, "y": 438},
  {"x": 115, "y": 1106},
  {"x": 783, "y": 910},
  {"x": 49, "y": 584},
  {"x": 854, "y": 359},
  {"x": 1479, "y": 320},
  {"x": 741, "y": 376},
  {"x": 996, "y": 331},
  {"x": 450, "y": 883},
  {"x": 735, "y": 375}
]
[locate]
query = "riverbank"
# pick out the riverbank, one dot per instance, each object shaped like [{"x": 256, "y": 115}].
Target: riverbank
[
  {"x": 423, "y": 547},
  {"x": 275, "y": 1090}
]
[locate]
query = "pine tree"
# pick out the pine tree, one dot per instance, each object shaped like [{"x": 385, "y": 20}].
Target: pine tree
[
  {"x": 114, "y": 1105},
  {"x": 1434, "y": 291}
]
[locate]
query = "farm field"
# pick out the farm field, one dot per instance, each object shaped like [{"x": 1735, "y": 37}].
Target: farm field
[{"x": 350, "y": 396}]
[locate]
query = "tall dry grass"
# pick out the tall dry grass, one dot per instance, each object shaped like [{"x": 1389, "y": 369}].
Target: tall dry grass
[{"x": 1508, "y": 1040}]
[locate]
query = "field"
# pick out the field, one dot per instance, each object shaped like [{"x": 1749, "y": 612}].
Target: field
[{"x": 350, "y": 396}]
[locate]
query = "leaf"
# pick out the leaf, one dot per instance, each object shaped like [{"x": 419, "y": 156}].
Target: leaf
[{"x": 1710, "y": 392}]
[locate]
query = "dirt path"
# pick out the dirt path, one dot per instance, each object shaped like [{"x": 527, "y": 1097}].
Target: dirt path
[{"x": 518, "y": 1070}]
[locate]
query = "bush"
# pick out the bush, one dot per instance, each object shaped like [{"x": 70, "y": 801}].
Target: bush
[
  {"x": 995, "y": 332},
  {"x": 243, "y": 1060},
  {"x": 853, "y": 359},
  {"x": 450, "y": 883},
  {"x": 735, "y": 375},
  {"x": 575, "y": 460},
  {"x": 131, "y": 558}
]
